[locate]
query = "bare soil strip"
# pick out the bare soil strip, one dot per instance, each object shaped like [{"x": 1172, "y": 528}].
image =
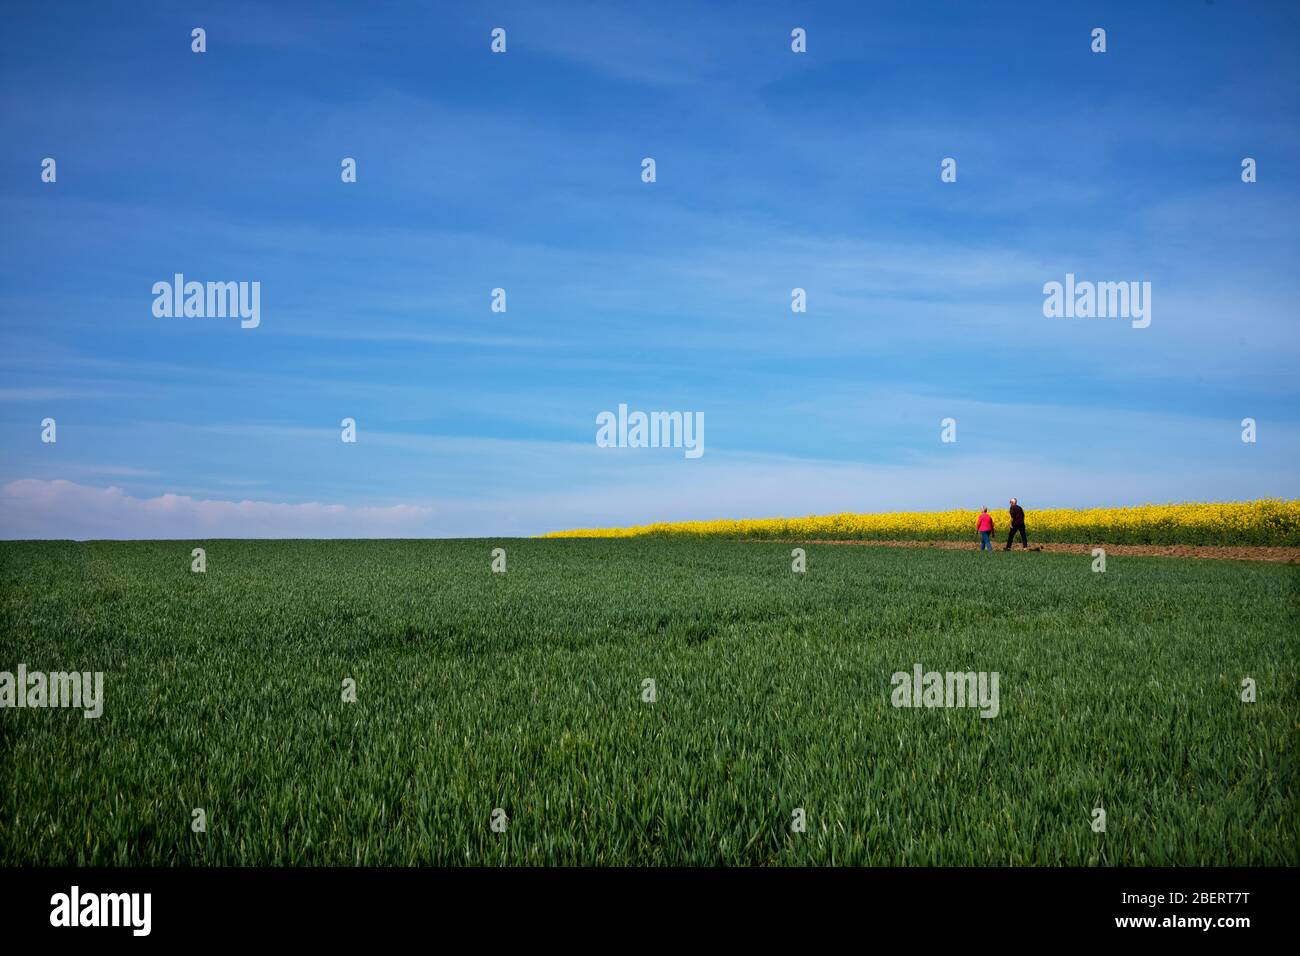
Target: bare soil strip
[{"x": 1290, "y": 555}]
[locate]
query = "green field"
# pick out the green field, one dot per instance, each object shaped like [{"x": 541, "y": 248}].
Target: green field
[{"x": 523, "y": 691}]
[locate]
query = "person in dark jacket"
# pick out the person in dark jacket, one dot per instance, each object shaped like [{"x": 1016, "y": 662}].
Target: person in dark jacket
[{"x": 1017, "y": 524}]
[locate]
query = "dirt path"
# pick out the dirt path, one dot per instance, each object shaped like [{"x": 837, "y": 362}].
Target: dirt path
[{"x": 1223, "y": 552}]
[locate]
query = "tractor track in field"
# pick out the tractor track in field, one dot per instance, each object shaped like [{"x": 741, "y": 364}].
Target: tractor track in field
[{"x": 1285, "y": 555}]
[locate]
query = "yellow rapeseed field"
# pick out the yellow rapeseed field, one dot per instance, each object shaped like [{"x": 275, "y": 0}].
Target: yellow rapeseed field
[{"x": 1265, "y": 522}]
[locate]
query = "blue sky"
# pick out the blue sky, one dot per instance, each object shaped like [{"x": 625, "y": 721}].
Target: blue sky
[{"x": 775, "y": 170}]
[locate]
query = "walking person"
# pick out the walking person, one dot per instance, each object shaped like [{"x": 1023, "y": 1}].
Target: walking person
[
  {"x": 1017, "y": 524},
  {"x": 985, "y": 527}
]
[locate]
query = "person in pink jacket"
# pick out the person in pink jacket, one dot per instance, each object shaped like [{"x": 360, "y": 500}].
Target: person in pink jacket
[{"x": 985, "y": 527}]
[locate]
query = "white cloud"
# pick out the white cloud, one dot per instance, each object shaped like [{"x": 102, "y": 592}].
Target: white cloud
[
  {"x": 31, "y": 508},
  {"x": 50, "y": 394}
]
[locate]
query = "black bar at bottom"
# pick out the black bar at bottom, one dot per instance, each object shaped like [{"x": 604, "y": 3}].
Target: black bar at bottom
[{"x": 334, "y": 906}]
